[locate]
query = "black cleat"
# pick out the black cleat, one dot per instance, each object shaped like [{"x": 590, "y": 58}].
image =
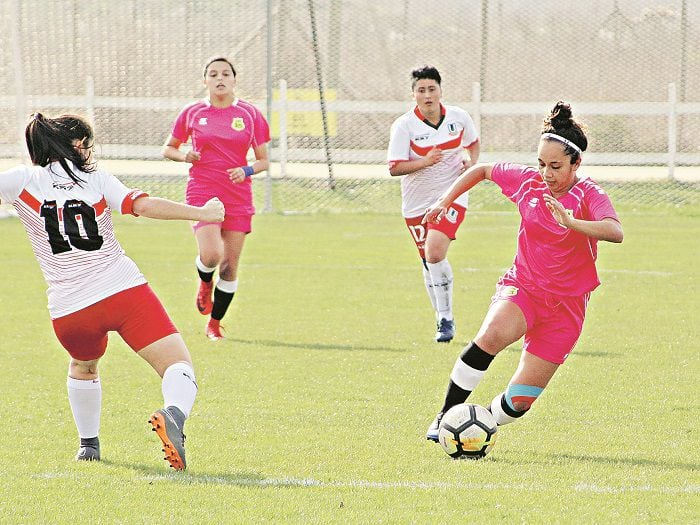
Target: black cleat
[
  {"x": 445, "y": 331},
  {"x": 89, "y": 450}
]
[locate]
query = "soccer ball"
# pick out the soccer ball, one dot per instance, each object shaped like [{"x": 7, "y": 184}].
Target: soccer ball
[{"x": 467, "y": 431}]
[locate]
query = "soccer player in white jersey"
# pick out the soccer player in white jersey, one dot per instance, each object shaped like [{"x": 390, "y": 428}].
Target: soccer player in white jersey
[
  {"x": 65, "y": 204},
  {"x": 427, "y": 148}
]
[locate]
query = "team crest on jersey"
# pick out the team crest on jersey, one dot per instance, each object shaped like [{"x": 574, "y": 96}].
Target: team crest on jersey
[
  {"x": 238, "y": 124},
  {"x": 452, "y": 128},
  {"x": 452, "y": 215}
]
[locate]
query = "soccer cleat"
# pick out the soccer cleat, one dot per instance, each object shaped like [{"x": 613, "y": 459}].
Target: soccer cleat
[
  {"x": 204, "y": 302},
  {"x": 432, "y": 433},
  {"x": 213, "y": 330},
  {"x": 445, "y": 331},
  {"x": 89, "y": 450},
  {"x": 165, "y": 425}
]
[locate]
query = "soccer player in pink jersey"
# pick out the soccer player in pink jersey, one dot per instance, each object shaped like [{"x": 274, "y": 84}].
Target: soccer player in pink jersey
[
  {"x": 426, "y": 149},
  {"x": 222, "y": 129},
  {"x": 65, "y": 204},
  {"x": 544, "y": 295}
]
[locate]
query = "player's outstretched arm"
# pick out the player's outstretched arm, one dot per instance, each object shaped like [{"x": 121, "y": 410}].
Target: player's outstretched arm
[
  {"x": 157, "y": 208},
  {"x": 604, "y": 230},
  {"x": 464, "y": 182}
]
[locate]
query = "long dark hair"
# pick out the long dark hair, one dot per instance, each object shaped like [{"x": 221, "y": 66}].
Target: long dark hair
[
  {"x": 52, "y": 140},
  {"x": 561, "y": 122}
]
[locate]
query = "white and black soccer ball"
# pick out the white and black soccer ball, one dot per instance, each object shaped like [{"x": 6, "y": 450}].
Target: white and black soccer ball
[{"x": 467, "y": 431}]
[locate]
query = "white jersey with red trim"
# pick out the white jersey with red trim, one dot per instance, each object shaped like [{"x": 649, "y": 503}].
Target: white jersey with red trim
[
  {"x": 412, "y": 137},
  {"x": 70, "y": 229}
]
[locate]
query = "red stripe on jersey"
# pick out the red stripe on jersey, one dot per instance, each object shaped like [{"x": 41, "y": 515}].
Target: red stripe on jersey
[
  {"x": 470, "y": 145},
  {"x": 100, "y": 207},
  {"x": 30, "y": 200},
  {"x": 450, "y": 144},
  {"x": 128, "y": 202}
]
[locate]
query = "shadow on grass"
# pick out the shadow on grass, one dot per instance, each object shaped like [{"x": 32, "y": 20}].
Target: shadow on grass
[
  {"x": 604, "y": 460},
  {"x": 312, "y": 346},
  {"x": 155, "y": 474}
]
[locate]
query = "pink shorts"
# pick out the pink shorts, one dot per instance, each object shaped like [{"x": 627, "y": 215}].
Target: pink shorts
[
  {"x": 554, "y": 322},
  {"x": 448, "y": 225},
  {"x": 238, "y": 222},
  {"x": 135, "y": 314}
]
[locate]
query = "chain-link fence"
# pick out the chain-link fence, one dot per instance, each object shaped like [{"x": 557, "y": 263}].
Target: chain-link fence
[{"x": 332, "y": 76}]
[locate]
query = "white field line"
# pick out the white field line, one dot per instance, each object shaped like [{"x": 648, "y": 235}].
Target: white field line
[{"x": 592, "y": 488}]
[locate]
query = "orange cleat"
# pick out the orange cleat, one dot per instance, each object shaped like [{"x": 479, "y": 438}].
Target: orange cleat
[
  {"x": 204, "y": 302},
  {"x": 170, "y": 433}
]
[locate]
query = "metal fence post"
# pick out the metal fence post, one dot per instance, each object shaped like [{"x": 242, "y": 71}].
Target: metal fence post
[
  {"x": 283, "y": 128},
  {"x": 672, "y": 130}
]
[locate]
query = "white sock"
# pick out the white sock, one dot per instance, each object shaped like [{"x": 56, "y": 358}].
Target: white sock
[
  {"x": 201, "y": 267},
  {"x": 441, "y": 275},
  {"x": 179, "y": 387},
  {"x": 429, "y": 288},
  {"x": 497, "y": 410},
  {"x": 227, "y": 286},
  {"x": 85, "y": 398}
]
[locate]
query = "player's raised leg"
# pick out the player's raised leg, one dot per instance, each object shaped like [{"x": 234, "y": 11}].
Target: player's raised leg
[
  {"x": 170, "y": 358},
  {"x": 211, "y": 252}
]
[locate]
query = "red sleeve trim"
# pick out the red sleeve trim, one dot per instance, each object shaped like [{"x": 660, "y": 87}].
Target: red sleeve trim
[
  {"x": 470, "y": 145},
  {"x": 128, "y": 202}
]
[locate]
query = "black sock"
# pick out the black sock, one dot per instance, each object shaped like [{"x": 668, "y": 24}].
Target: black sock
[
  {"x": 90, "y": 442},
  {"x": 221, "y": 302},
  {"x": 206, "y": 277},
  {"x": 474, "y": 357}
]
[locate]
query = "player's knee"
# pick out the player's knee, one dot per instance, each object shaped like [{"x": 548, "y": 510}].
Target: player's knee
[{"x": 82, "y": 369}]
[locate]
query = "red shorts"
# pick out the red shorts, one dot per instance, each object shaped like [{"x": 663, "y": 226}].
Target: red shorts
[
  {"x": 241, "y": 222},
  {"x": 135, "y": 314},
  {"x": 233, "y": 223},
  {"x": 554, "y": 322},
  {"x": 447, "y": 225}
]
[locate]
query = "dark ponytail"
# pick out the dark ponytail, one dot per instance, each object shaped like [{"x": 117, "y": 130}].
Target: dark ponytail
[
  {"x": 560, "y": 122},
  {"x": 52, "y": 140}
]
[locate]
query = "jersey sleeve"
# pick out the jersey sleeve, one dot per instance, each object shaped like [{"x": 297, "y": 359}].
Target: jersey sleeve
[
  {"x": 181, "y": 127},
  {"x": 118, "y": 196},
  {"x": 599, "y": 205},
  {"x": 12, "y": 182},
  {"x": 470, "y": 135},
  {"x": 510, "y": 177},
  {"x": 262, "y": 129},
  {"x": 399, "y": 143}
]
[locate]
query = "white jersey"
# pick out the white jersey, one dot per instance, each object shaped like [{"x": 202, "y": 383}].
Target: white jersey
[
  {"x": 70, "y": 229},
  {"x": 412, "y": 137}
]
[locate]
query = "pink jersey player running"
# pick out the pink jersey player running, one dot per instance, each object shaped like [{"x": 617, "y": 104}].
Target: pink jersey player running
[
  {"x": 544, "y": 295},
  {"x": 222, "y": 129},
  {"x": 65, "y": 204},
  {"x": 426, "y": 149}
]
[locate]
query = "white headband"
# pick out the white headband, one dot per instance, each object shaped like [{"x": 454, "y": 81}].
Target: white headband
[{"x": 562, "y": 139}]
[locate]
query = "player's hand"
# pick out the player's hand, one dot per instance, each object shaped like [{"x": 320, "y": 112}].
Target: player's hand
[
  {"x": 434, "y": 214},
  {"x": 434, "y": 156},
  {"x": 192, "y": 156},
  {"x": 237, "y": 175},
  {"x": 213, "y": 211},
  {"x": 558, "y": 211}
]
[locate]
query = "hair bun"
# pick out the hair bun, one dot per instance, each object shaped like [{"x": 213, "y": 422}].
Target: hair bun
[{"x": 561, "y": 115}]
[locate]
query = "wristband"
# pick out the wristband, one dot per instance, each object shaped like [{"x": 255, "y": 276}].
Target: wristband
[{"x": 248, "y": 170}]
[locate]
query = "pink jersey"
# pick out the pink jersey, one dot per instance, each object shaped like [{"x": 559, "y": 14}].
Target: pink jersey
[
  {"x": 71, "y": 232},
  {"x": 412, "y": 137},
  {"x": 223, "y": 137},
  {"x": 550, "y": 257}
]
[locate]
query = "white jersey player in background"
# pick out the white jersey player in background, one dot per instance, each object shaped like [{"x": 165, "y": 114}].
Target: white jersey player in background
[
  {"x": 427, "y": 147},
  {"x": 65, "y": 204}
]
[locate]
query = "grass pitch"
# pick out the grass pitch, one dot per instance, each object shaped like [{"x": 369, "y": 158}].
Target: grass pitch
[{"x": 314, "y": 409}]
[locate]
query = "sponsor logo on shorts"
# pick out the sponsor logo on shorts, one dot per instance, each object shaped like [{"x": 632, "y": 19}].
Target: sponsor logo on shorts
[
  {"x": 452, "y": 215},
  {"x": 238, "y": 124}
]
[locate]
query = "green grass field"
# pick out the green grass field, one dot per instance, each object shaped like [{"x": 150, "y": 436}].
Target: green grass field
[{"x": 314, "y": 409}]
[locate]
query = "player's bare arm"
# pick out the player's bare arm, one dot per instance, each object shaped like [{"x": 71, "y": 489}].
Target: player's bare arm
[
  {"x": 157, "y": 208},
  {"x": 464, "y": 182},
  {"x": 409, "y": 166},
  {"x": 171, "y": 150},
  {"x": 604, "y": 230}
]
